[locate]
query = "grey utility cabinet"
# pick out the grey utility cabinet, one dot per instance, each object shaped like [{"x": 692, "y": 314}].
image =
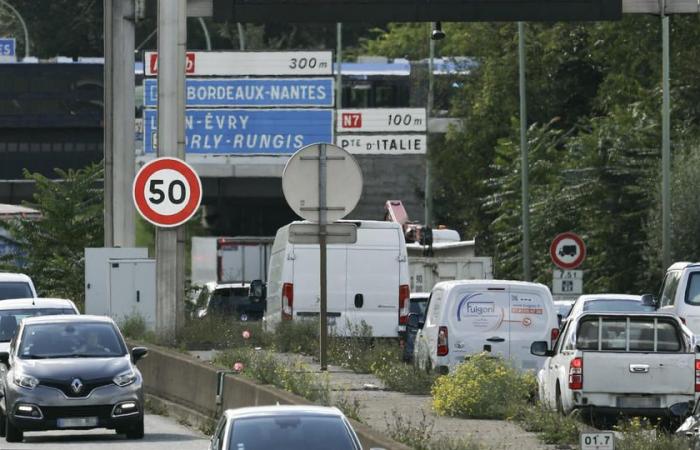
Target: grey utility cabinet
[{"x": 120, "y": 283}]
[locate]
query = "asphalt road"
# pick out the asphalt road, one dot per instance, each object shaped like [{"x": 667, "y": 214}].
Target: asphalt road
[{"x": 162, "y": 433}]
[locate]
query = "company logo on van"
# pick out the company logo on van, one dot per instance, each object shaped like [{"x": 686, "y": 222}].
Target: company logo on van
[{"x": 479, "y": 313}]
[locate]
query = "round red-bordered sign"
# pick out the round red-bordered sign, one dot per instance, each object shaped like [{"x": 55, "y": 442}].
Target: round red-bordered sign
[
  {"x": 567, "y": 250},
  {"x": 167, "y": 192}
]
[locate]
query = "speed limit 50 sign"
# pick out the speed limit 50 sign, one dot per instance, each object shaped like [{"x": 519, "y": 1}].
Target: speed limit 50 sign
[{"x": 167, "y": 192}]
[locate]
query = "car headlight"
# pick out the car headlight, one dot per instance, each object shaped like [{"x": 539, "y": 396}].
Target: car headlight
[
  {"x": 125, "y": 378},
  {"x": 25, "y": 381}
]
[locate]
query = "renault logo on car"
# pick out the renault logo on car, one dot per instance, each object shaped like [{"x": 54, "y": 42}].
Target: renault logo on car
[{"x": 76, "y": 385}]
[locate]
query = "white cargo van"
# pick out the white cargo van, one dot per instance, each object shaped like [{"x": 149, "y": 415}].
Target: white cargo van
[
  {"x": 472, "y": 316},
  {"x": 367, "y": 281},
  {"x": 680, "y": 294}
]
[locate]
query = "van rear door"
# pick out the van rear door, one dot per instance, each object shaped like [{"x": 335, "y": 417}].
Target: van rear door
[
  {"x": 479, "y": 321},
  {"x": 372, "y": 292},
  {"x": 531, "y": 314},
  {"x": 307, "y": 288}
]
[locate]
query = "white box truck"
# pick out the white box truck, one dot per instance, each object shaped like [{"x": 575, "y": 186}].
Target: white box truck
[
  {"x": 367, "y": 281},
  {"x": 230, "y": 259}
]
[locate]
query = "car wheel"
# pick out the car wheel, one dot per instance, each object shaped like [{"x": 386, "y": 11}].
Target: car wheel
[
  {"x": 12, "y": 433},
  {"x": 2, "y": 424},
  {"x": 136, "y": 431}
]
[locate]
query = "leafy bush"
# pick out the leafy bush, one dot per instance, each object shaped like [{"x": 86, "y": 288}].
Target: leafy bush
[
  {"x": 351, "y": 408},
  {"x": 400, "y": 377},
  {"x": 264, "y": 367},
  {"x": 482, "y": 387},
  {"x": 300, "y": 381},
  {"x": 134, "y": 327},
  {"x": 551, "y": 427}
]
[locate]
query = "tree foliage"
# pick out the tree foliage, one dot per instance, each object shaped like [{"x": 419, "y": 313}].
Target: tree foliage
[
  {"x": 594, "y": 98},
  {"x": 53, "y": 247}
]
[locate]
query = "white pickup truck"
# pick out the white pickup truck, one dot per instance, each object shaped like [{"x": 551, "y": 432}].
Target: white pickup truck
[{"x": 621, "y": 363}]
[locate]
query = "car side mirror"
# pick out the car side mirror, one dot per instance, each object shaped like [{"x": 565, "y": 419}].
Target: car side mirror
[
  {"x": 138, "y": 353},
  {"x": 257, "y": 290},
  {"x": 5, "y": 358},
  {"x": 541, "y": 348},
  {"x": 412, "y": 321},
  {"x": 650, "y": 300}
]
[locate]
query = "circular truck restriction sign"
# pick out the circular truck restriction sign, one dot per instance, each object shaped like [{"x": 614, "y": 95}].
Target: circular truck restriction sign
[
  {"x": 167, "y": 192},
  {"x": 567, "y": 250}
]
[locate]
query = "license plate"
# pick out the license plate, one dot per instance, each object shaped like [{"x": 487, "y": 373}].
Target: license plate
[
  {"x": 638, "y": 402},
  {"x": 74, "y": 422}
]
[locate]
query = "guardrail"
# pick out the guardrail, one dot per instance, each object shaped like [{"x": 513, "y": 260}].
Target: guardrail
[{"x": 181, "y": 379}]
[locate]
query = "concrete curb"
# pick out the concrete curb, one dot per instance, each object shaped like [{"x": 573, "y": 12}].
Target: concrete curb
[
  {"x": 204, "y": 424},
  {"x": 190, "y": 388}
]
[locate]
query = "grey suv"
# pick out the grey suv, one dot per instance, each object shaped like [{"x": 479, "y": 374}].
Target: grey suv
[{"x": 70, "y": 372}]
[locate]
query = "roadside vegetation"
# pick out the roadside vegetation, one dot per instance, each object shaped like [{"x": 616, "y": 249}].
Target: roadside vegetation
[{"x": 483, "y": 387}]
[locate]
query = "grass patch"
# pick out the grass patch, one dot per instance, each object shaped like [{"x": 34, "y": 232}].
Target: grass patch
[
  {"x": 351, "y": 408},
  {"x": 214, "y": 332},
  {"x": 550, "y": 426},
  {"x": 400, "y": 377},
  {"x": 297, "y": 336},
  {"x": 134, "y": 327},
  {"x": 419, "y": 434},
  {"x": 637, "y": 434}
]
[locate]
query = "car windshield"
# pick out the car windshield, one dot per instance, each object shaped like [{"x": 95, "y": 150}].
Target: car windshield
[
  {"x": 70, "y": 340},
  {"x": 10, "y": 318},
  {"x": 12, "y": 289},
  {"x": 297, "y": 432},
  {"x": 616, "y": 305},
  {"x": 418, "y": 306},
  {"x": 223, "y": 301}
]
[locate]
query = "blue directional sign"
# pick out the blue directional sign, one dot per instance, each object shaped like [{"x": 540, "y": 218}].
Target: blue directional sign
[
  {"x": 247, "y": 131},
  {"x": 239, "y": 92},
  {"x": 8, "y": 47}
]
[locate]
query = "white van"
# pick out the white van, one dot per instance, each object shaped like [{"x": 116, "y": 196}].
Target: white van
[
  {"x": 467, "y": 317},
  {"x": 367, "y": 281},
  {"x": 16, "y": 285},
  {"x": 680, "y": 294}
]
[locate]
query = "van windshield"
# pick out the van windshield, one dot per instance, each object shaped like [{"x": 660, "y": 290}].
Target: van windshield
[{"x": 13, "y": 289}]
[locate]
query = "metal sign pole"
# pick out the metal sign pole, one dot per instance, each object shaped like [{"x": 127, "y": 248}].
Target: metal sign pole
[{"x": 322, "y": 222}]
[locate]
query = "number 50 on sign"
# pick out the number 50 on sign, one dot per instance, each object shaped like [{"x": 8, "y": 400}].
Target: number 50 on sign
[{"x": 167, "y": 192}]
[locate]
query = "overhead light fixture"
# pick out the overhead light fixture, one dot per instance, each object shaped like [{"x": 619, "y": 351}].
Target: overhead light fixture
[{"x": 437, "y": 34}]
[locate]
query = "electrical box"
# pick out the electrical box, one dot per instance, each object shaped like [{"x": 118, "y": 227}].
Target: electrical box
[{"x": 120, "y": 283}]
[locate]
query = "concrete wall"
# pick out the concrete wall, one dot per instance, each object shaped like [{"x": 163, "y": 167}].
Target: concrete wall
[
  {"x": 389, "y": 177},
  {"x": 181, "y": 379}
]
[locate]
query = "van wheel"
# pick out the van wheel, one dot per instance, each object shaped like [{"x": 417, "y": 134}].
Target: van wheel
[
  {"x": 12, "y": 433},
  {"x": 560, "y": 403},
  {"x": 428, "y": 366}
]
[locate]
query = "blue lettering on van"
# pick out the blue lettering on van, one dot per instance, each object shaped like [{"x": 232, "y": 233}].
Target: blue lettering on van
[{"x": 464, "y": 300}]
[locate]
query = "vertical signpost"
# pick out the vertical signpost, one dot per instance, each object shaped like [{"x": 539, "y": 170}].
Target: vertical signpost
[{"x": 322, "y": 183}]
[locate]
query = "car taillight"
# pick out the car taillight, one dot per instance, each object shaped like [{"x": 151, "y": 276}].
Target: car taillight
[
  {"x": 697, "y": 375},
  {"x": 404, "y": 303},
  {"x": 576, "y": 373},
  {"x": 287, "y": 301},
  {"x": 442, "y": 348},
  {"x": 554, "y": 335}
]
